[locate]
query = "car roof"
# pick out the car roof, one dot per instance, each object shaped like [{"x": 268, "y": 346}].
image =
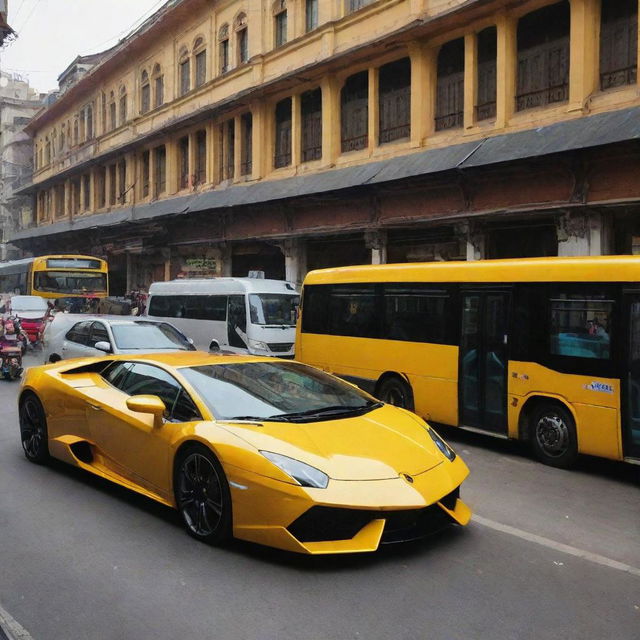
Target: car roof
[
  {"x": 72, "y": 318},
  {"x": 219, "y": 286}
]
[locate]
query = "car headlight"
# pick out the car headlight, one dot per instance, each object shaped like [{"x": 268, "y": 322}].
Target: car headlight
[
  {"x": 446, "y": 450},
  {"x": 258, "y": 344},
  {"x": 304, "y": 474}
]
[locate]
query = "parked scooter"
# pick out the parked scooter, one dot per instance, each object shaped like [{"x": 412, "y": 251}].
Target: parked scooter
[{"x": 10, "y": 349}]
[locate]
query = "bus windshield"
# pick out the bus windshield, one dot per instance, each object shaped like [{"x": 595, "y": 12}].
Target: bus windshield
[
  {"x": 273, "y": 308},
  {"x": 70, "y": 282}
]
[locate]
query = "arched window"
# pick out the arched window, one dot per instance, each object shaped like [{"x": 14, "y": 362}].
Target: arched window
[
  {"x": 158, "y": 85},
  {"x": 54, "y": 143},
  {"x": 280, "y": 22},
  {"x": 200, "y": 61},
  {"x": 75, "y": 131},
  {"x": 47, "y": 151},
  {"x": 242, "y": 38},
  {"x": 184, "y": 71},
  {"x": 89, "y": 112},
  {"x": 62, "y": 137},
  {"x": 123, "y": 104},
  {"x": 223, "y": 48},
  {"x": 113, "y": 121},
  {"x": 145, "y": 92}
]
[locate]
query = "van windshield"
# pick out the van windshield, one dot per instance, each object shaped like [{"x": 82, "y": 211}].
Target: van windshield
[{"x": 273, "y": 308}]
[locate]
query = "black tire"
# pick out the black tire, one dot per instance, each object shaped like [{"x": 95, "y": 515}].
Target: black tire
[
  {"x": 552, "y": 432},
  {"x": 397, "y": 392},
  {"x": 202, "y": 495},
  {"x": 33, "y": 429},
  {"x": 53, "y": 358}
]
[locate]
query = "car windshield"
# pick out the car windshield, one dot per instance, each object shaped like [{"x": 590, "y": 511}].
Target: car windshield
[
  {"x": 280, "y": 391},
  {"x": 70, "y": 282},
  {"x": 148, "y": 336},
  {"x": 273, "y": 308}
]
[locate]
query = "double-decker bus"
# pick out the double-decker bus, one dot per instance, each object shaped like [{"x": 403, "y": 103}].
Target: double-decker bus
[
  {"x": 72, "y": 278},
  {"x": 545, "y": 350}
]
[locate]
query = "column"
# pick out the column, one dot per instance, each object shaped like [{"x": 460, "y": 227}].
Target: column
[
  {"x": 421, "y": 118},
  {"x": 67, "y": 199},
  {"x": 226, "y": 256},
  {"x": 376, "y": 241},
  {"x": 374, "y": 109},
  {"x": 473, "y": 240},
  {"x": 296, "y": 130},
  {"x": 583, "y": 234},
  {"x": 584, "y": 66},
  {"x": 330, "y": 120},
  {"x": 470, "y": 79},
  {"x": 258, "y": 143},
  {"x": 172, "y": 166},
  {"x": 295, "y": 260},
  {"x": 506, "y": 67}
]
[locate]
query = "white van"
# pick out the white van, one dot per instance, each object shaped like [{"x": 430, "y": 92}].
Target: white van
[{"x": 243, "y": 315}]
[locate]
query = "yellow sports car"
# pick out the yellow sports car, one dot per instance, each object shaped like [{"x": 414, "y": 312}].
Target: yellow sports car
[{"x": 270, "y": 451}]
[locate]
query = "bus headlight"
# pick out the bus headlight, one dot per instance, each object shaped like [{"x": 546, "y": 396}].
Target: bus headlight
[
  {"x": 258, "y": 345},
  {"x": 445, "y": 449},
  {"x": 305, "y": 475}
]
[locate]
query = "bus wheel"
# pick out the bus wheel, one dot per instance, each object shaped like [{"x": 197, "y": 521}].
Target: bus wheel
[
  {"x": 397, "y": 392},
  {"x": 553, "y": 435}
]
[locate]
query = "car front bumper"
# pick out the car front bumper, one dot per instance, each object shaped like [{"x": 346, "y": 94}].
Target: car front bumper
[{"x": 347, "y": 516}]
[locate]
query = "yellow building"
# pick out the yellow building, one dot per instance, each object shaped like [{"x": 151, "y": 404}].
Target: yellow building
[{"x": 228, "y": 136}]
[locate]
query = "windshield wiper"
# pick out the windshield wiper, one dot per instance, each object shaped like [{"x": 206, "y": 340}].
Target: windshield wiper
[{"x": 333, "y": 410}]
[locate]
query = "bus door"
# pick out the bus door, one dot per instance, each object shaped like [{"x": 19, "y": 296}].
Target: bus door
[
  {"x": 482, "y": 378},
  {"x": 631, "y": 390}
]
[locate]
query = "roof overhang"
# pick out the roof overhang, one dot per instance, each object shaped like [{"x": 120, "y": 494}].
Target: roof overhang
[{"x": 574, "y": 135}]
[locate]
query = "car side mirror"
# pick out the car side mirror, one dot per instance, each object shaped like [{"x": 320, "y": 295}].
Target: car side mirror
[
  {"x": 148, "y": 404},
  {"x": 103, "y": 345}
]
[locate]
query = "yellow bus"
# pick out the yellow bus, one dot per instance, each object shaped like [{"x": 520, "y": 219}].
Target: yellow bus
[
  {"x": 73, "y": 278},
  {"x": 545, "y": 350}
]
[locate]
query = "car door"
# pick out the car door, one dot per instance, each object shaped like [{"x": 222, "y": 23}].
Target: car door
[
  {"x": 76, "y": 341},
  {"x": 128, "y": 440},
  {"x": 98, "y": 333}
]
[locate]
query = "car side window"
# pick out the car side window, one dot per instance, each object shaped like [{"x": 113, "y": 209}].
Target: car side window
[
  {"x": 79, "y": 333},
  {"x": 148, "y": 379},
  {"x": 99, "y": 333},
  {"x": 116, "y": 374}
]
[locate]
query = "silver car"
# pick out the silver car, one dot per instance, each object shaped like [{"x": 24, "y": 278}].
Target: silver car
[{"x": 71, "y": 335}]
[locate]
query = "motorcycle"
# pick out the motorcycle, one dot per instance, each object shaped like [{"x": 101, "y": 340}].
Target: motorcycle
[{"x": 10, "y": 349}]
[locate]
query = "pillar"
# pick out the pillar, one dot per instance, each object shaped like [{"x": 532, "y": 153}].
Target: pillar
[
  {"x": 295, "y": 260},
  {"x": 376, "y": 241},
  {"x": 506, "y": 67},
  {"x": 473, "y": 241},
  {"x": 260, "y": 147},
  {"x": 226, "y": 256},
  {"x": 583, "y": 234},
  {"x": 421, "y": 80},
  {"x": 470, "y": 79},
  {"x": 584, "y": 52},
  {"x": 330, "y": 120}
]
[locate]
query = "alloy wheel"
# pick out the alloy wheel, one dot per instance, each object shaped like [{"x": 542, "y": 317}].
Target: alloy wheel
[{"x": 200, "y": 496}]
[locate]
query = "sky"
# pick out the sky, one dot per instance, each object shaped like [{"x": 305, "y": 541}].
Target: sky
[{"x": 51, "y": 33}]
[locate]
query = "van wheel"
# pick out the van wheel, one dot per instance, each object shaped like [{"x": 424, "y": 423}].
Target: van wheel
[
  {"x": 553, "y": 435},
  {"x": 397, "y": 392}
]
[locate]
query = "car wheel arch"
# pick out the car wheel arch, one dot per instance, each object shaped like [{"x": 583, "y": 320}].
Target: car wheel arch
[{"x": 401, "y": 378}]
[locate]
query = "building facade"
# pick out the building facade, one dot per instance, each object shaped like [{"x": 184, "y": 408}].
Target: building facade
[
  {"x": 228, "y": 136},
  {"x": 18, "y": 104}
]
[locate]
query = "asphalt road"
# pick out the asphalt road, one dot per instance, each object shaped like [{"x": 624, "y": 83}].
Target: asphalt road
[{"x": 550, "y": 554}]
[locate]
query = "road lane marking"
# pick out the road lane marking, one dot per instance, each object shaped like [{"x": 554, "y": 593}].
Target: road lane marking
[
  {"x": 12, "y": 629},
  {"x": 557, "y": 546}
]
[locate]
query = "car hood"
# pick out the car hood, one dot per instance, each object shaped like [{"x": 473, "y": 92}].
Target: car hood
[{"x": 379, "y": 445}]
